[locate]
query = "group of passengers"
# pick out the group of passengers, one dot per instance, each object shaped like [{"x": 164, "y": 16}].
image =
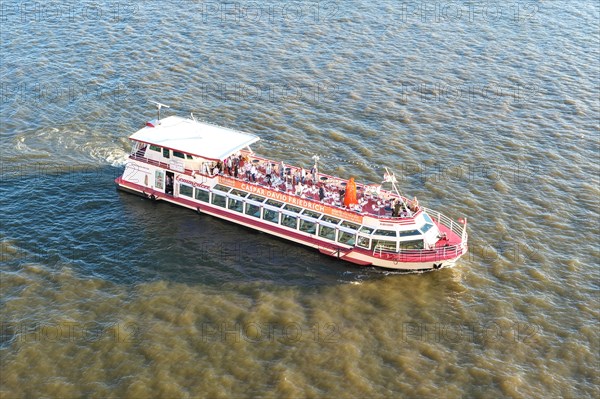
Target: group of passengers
[
  {"x": 303, "y": 183},
  {"x": 240, "y": 166},
  {"x": 401, "y": 209}
]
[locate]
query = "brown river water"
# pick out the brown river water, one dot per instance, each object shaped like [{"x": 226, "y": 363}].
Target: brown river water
[{"x": 488, "y": 111}]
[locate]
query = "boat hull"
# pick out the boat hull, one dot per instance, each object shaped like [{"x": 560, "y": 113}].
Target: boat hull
[{"x": 353, "y": 255}]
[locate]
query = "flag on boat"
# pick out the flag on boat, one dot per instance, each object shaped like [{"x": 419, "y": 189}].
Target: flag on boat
[
  {"x": 350, "y": 196},
  {"x": 389, "y": 178}
]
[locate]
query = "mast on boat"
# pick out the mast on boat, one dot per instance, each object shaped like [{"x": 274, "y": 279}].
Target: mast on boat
[
  {"x": 316, "y": 166},
  {"x": 158, "y": 107}
]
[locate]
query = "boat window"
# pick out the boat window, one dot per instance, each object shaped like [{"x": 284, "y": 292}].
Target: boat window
[
  {"x": 188, "y": 156},
  {"x": 409, "y": 233},
  {"x": 308, "y": 227},
  {"x": 366, "y": 230},
  {"x": 155, "y": 148},
  {"x": 425, "y": 228},
  {"x": 350, "y": 225},
  {"x": 289, "y": 221},
  {"x": 253, "y": 210},
  {"x": 415, "y": 244},
  {"x": 384, "y": 245},
  {"x": 201, "y": 195},
  {"x": 166, "y": 153},
  {"x": 239, "y": 193},
  {"x": 292, "y": 208},
  {"x": 272, "y": 202},
  {"x": 256, "y": 198},
  {"x": 179, "y": 154},
  {"x": 329, "y": 219},
  {"x": 221, "y": 187},
  {"x": 236, "y": 205},
  {"x": 385, "y": 233},
  {"x": 346, "y": 238},
  {"x": 364, "y": 242},
  {"x": 427, "y": 218},
  {"x": 271, "y": 215},
  {"x": 159, "y": 179},
  {"x": 188, "y": 191},
  {"x": 327, "y": 232},
  {"x": 311, "y": 214},
  {"x": 219, "y": 200}
]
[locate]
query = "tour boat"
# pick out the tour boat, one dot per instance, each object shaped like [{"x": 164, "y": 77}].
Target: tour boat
[{"x": 213, "y": 170}]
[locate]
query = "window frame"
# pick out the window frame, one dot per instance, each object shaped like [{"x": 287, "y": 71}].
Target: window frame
[
  {"x": 324, "y": 226},
  {"x": 313, "y": 226},
  {"x": 271, "y": 209},
  {"x": 403, "y": 243},
  {"x": 248, "y": 207},
  {"x": 198, "y": 190},
  {"x": 215, "y": 195},
  {"x": 339, "y": 235},
  {"x": 181, "y": 185},
  {"x": 288, "y": 215}
]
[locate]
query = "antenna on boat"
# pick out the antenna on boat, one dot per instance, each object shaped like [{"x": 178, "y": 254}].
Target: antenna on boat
[{"x": 158, "y": 107}]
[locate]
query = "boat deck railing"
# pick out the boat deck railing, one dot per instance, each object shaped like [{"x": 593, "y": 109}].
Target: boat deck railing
[
  {"x": 460, "y": 229},
  {"x": 422, "y": 255}
]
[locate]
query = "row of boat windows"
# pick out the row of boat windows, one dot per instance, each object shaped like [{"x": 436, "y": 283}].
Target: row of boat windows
[
  {"x": 167, "y": 152},
  {"x": 316, "y": 215},
  {"x": 323, "y": 230}
]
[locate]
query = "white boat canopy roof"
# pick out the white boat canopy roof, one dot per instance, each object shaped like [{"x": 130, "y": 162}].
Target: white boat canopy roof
[{"x": 195, "y": 138}]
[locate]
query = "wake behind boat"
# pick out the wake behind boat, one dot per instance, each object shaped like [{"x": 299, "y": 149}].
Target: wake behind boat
[{"x": 213, "y": 170}]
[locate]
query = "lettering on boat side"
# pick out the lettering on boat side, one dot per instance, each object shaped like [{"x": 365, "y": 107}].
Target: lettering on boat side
[
  {"x": 191, "y": 183},
  {"x": 290, "y": 199}
]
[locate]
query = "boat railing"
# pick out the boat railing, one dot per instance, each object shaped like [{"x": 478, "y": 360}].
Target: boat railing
[
  {"x": 460, "y": 229},
  {"x": 438, "y": 253},
  {"x": 142, "y": 158}
]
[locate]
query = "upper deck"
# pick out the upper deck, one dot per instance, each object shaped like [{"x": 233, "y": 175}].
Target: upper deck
[
  {"x": 192, "y": 137},
  {"x": 320, "y": 188}
]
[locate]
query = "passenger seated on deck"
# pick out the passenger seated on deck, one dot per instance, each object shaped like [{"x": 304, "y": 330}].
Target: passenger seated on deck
[
  {"x": 415, "y": 204},
  {"x": 299, "y": 188},
  {"x": 247, "y": 168}
]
